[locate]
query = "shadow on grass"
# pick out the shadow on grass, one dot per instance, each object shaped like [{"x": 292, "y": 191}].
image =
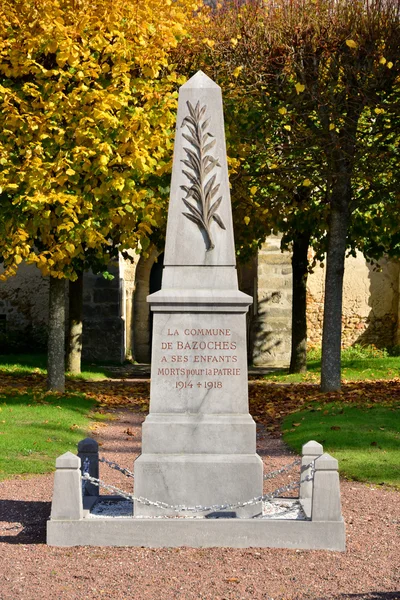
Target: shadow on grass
[
  {"x": 23, "y": 522},
  {"x": 75, "y": 403},
  {"x": 18, "y": 365}
]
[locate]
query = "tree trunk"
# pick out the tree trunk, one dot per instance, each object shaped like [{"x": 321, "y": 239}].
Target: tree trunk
[
  {"x": 56, "y": 344},
  {"x": 74, "y": 351},
  {"x": 298, "y": 359},
  {"x": 332, "y": 327}
]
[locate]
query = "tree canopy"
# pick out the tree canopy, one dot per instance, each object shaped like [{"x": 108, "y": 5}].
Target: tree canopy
[
  {"x": 88, "y": 95},
  {"x": 317, "y": 81}
]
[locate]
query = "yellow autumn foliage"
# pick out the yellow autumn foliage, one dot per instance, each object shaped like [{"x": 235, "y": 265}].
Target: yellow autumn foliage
[{"x": 88, "y": 97}]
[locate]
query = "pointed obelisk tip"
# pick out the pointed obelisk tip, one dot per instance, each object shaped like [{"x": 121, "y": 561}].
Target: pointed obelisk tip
[{"x": 200, "y": 80}]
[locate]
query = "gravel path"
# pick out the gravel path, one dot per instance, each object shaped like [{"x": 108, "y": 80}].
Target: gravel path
[{"x": 369, "y": 569}]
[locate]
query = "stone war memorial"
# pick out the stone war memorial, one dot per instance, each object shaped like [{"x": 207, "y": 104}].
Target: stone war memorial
[{"x": 199, "y": 480}]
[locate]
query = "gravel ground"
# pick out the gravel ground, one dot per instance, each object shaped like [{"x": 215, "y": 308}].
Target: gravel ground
[{"x": 369, "y": 569}]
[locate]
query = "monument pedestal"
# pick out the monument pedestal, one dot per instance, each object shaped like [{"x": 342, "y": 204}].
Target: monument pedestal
[
  {"x": 199, "y": 441},
  {"x": 207, "y": 480}
]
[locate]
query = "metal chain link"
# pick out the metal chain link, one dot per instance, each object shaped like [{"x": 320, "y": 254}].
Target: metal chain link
[
  {"x": 198, "y": 508},
  {"x": 114, "y": 465},
  {"x": 273, "y": 474}
]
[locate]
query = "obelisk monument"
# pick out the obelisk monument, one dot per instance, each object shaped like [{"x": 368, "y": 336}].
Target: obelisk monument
[{"x": 199, "y": 441}]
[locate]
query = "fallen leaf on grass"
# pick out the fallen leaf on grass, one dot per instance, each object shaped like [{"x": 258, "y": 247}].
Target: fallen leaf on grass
[{"x": 335, "y": 428}]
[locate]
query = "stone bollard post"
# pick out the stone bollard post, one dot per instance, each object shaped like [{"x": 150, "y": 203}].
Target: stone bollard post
[
  {"x": 309, "y": 452},
  {"x": 89, "y": 449},
  {"x": 67, "y": 492},
  {"x": 326, "y": 490}
]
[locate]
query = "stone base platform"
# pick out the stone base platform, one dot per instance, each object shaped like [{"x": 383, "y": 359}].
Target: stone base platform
[
  {"x": 82, "y": 517},
  {"x": 198, "y": 533}
]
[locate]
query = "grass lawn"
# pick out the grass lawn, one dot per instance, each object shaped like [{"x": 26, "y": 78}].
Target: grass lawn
[
  {"x": 35, "y": 428},
  {"x": 359, "y": 426},
  {"x": 28, "y": 364},
  {"x": 364, "y": 439},
  {"x": 358, "y": 364}
]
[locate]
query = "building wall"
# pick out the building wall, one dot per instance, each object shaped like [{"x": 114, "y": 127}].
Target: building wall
[
  {"x": 273, "y": 302},
  {"x": 117, "y": 320},
  {"x": 128, "y": 287},
  {"x": 141, "y": 320},
  {"x": 24, "y": 300},
  {"x": 370, "y": 303},
  {"x": 103, "y": 332},
  {"x": 24, "y": 306}
]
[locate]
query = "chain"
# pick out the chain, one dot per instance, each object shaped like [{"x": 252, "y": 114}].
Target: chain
[
  {"x": 85, "y": 471},
  {"x": 271, "y": 475},
  {"x": 114, "y": 465},
  {"x": 212, "y": 508},
  {"x": 284, "y": 469}
]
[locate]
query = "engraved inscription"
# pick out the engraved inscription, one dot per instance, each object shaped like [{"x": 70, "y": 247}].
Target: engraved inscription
[
  {"x": 206, "y": 353},
  {"x": 200, "y": 194}
]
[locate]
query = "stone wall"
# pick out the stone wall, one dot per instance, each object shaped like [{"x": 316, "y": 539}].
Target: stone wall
[
  {"x": 247, "y": 279},
  {"x": 24, "y": 301},
  {"x": 128, "y": 282},
  {"x": 272, "y": 318},
  {"x": 103, "y": 334},
  {"x": 370, "y": 303},
  {"x": 24, "y": 306},
  {"x": 142, "y": 317},
  {"x": 117, "y": 320}
]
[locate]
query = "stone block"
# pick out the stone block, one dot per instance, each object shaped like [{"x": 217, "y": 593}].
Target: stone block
[
  {"x": 199, "y": 363},
  {"x": 278, "y": 283},
  {"x": 198, "y": 533},
  {"x": 68, "y": 461},
  {"x": 198, "y": 434},
  {"x": 88, "y": 452},
  {"x": 326, "y": 504},
  {"x": 108, "y": 296},
  {"x": 310, "y": 452},
  {"x": 67, "y": 492},
  {"x": 276, "y": 259},
  {"x": 98, "y": 312},
  {"x": 198, "y": 480}
]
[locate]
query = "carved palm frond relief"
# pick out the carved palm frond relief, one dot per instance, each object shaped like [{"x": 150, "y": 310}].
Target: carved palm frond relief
[{"x": 200, "y": 193}]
